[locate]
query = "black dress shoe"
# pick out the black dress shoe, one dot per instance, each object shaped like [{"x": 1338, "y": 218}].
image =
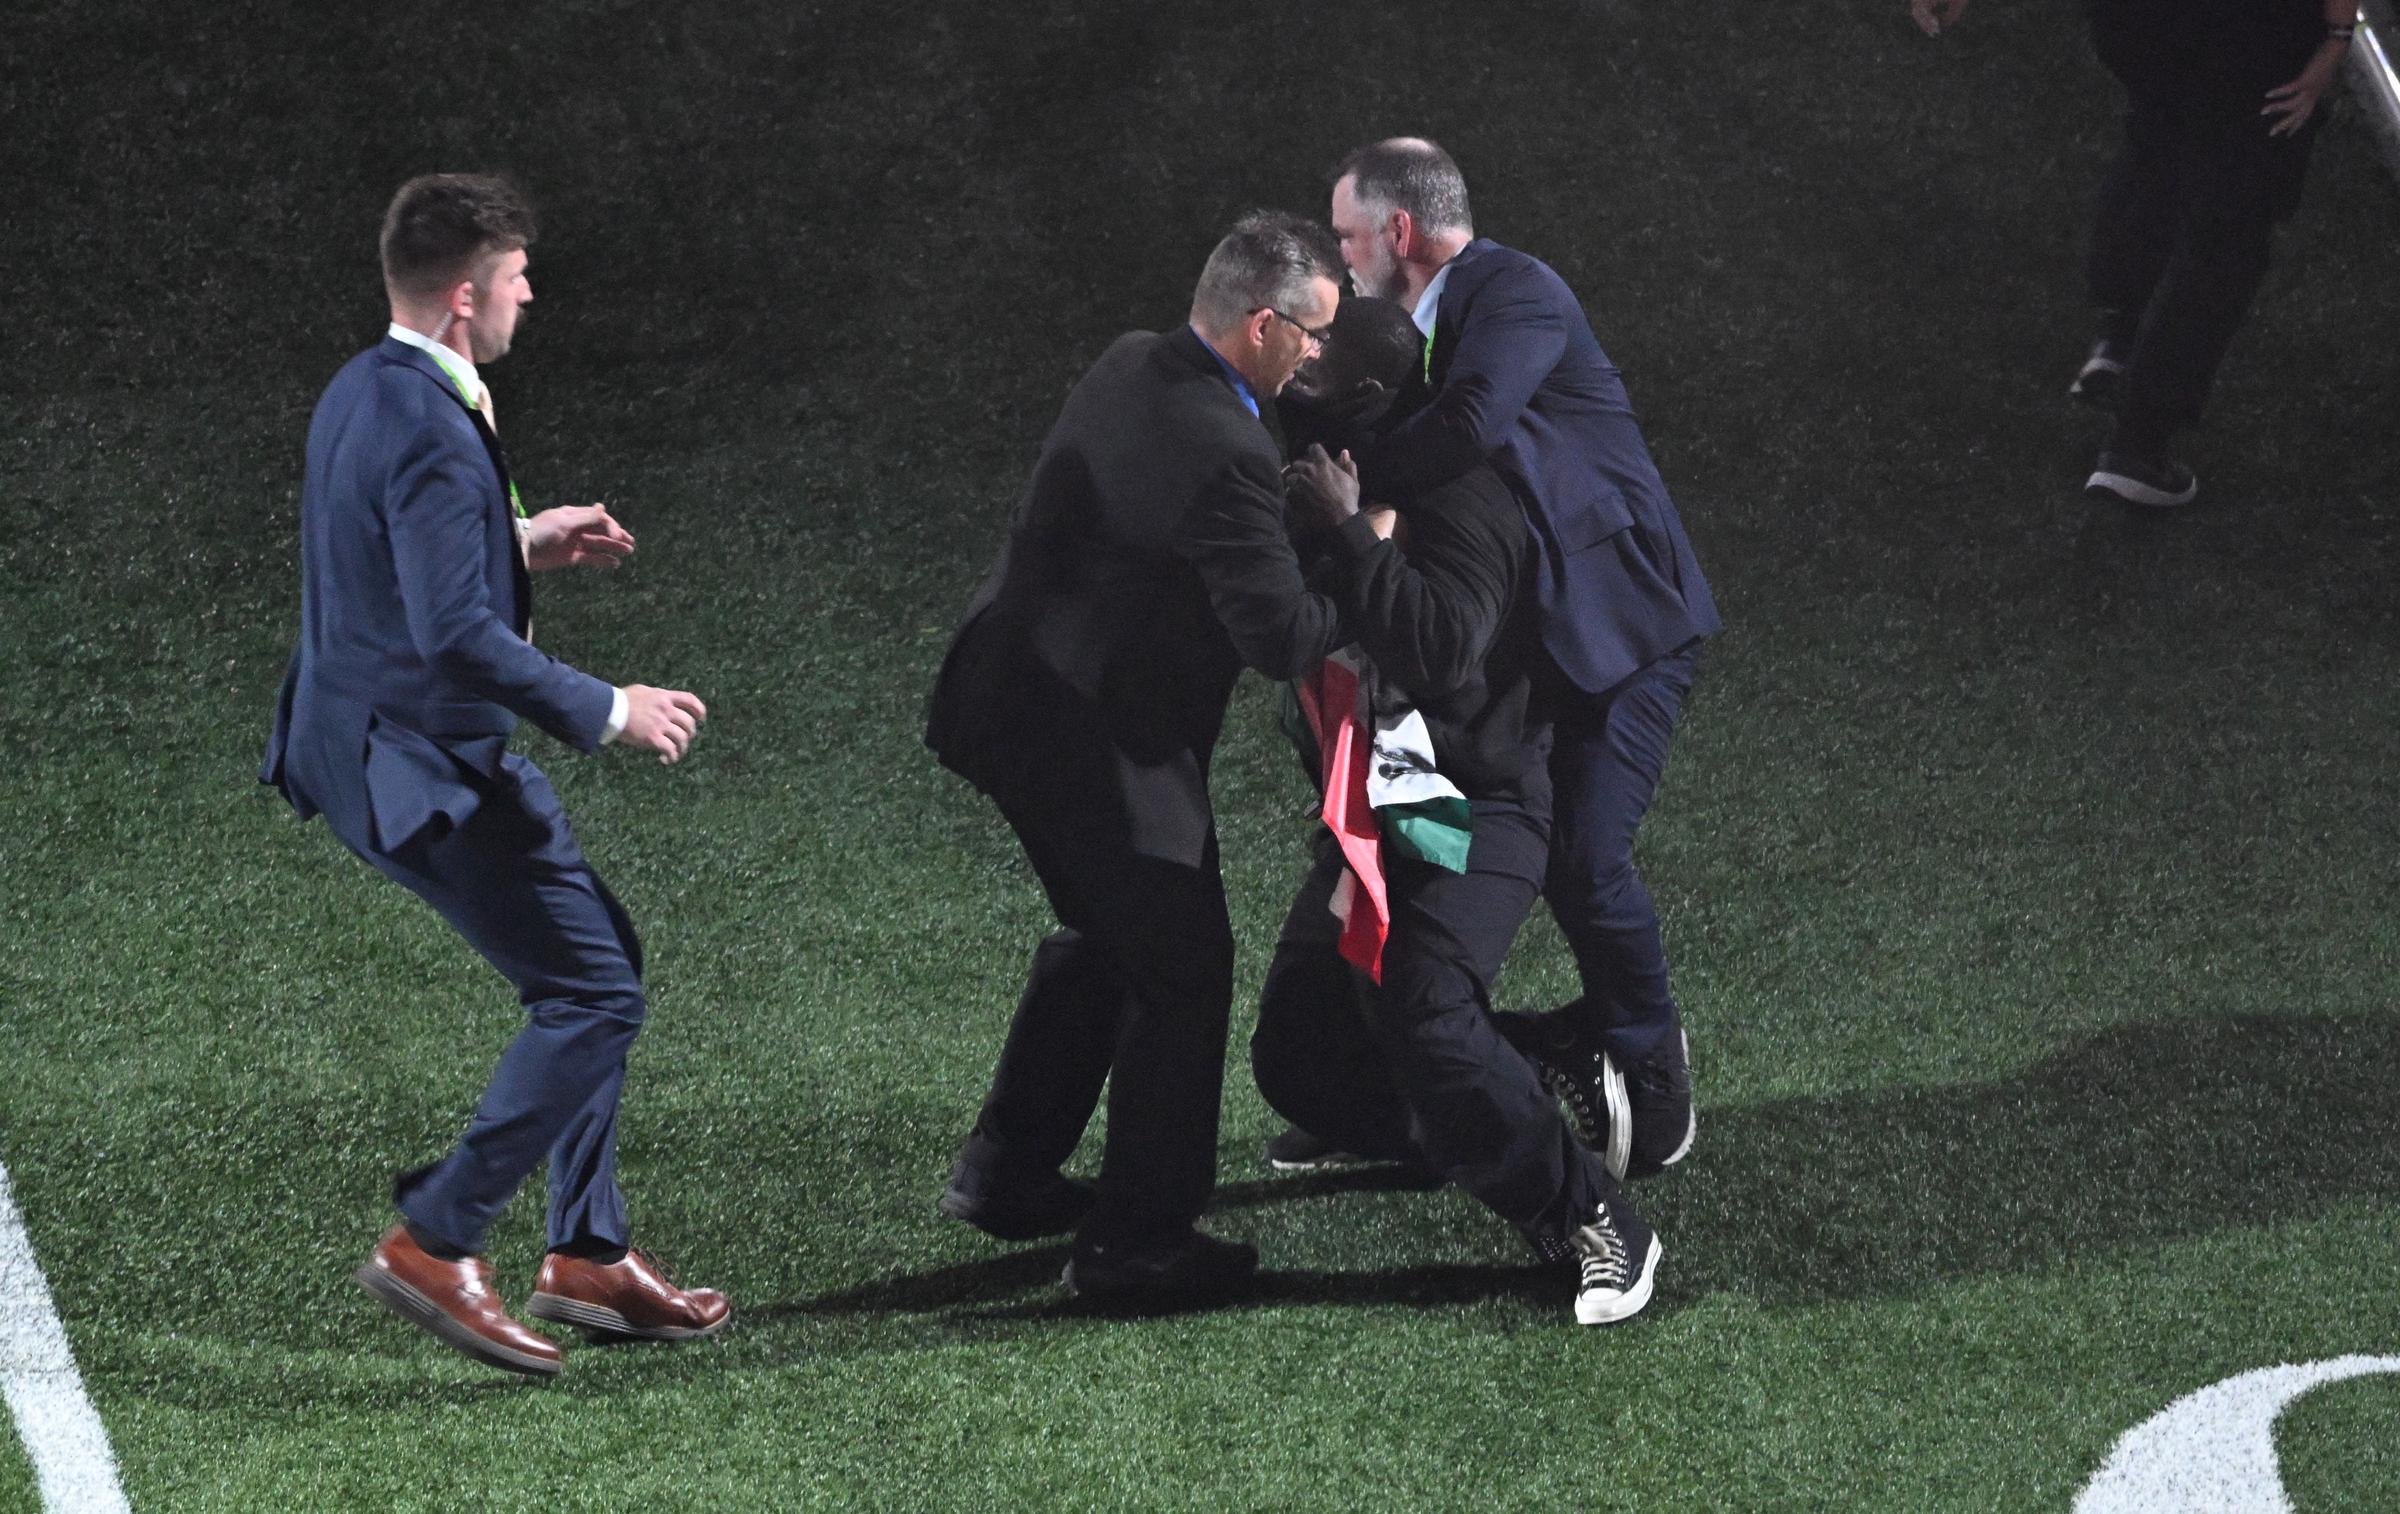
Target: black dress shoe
[
  {"x": 1017, "y": 1211},
  {"x": 1186, "y": 1269}
]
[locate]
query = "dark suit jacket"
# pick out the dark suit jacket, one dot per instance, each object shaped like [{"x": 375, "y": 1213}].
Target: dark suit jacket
[
  {"x": 1519, "y": 381},
  {"x": 412, "y": 666},
  {"x": 1145, "y": 564}
]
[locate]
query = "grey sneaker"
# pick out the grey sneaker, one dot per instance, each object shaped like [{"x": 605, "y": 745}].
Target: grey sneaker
[
  {"x": 2100, "y": 383},
  {"x": 2155, "y": 483},
  {"x": 1616, "y": 1262}
]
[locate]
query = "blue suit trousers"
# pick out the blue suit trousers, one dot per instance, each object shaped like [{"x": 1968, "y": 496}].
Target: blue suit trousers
[
  {"x": 1607, "y": 755},
  {"x": 514, "y": 882}
]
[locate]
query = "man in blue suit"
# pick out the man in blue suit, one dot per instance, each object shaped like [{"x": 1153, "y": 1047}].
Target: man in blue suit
[
  {"x": 414, "y": 665},
  {"x": 1513, "y": 376}
]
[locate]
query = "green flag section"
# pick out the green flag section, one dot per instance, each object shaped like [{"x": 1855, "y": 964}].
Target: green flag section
[{"x": 1438, "y": 831}]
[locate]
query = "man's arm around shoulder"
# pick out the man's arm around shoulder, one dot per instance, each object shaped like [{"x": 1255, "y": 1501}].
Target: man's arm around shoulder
[{"x": 1511, "y": 334}]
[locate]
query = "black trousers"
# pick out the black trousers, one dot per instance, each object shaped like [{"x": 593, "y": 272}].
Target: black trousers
[
  {"x": 2186, "y": 215},
  {"x": 1415, "y": 1068},
  {"x": 1132, "y": 991}
]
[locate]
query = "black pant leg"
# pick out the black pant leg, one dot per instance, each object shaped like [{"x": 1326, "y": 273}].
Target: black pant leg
[
  {"x": 1478, "y": 1112},
  {"x": 1167, "y": 923},
  {"x": 1064, "y": 1032},
  {"x": 1314, "y": 1053},
  {"x": 2134, "y": 219},
  {"x": 2235, "y": 183},
  {"x": 1134, "y": 992}
]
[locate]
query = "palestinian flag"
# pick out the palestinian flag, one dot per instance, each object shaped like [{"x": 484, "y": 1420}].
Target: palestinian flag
[{"x": 1380, "y": 789}]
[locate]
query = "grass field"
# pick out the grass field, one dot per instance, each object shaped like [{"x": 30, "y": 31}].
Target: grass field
[{"x": 2028, "y": 867}]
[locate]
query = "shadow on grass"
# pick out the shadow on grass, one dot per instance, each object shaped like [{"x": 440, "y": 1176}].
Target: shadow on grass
[{"x": 2140, "y": 1136}]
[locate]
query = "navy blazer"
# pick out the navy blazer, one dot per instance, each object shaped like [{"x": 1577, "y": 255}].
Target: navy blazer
[
  {"x": 1519, "y": 380},
  {"x": 412, "y": 666}
]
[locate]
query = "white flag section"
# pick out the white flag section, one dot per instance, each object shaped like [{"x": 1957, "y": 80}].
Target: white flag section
[
  {"x": 2213, "y": 1451},
  {"x": 1402, "y": 772},
  {"x": 63, "y": 1436}
]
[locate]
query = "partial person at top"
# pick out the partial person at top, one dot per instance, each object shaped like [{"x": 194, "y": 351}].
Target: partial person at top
[{"x": 2222, "y": 105}]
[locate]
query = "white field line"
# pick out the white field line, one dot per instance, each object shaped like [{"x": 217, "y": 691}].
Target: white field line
[
  {"x": 63, "y": 1435},
  {"x": 2213, "y": 1451}
]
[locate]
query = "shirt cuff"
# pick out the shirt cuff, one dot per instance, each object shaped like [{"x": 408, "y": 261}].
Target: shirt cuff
[{"x": 618, "y": 712}]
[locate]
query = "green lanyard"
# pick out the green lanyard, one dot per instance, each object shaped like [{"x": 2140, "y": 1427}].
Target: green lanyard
[{"x": 460, "y": 385}]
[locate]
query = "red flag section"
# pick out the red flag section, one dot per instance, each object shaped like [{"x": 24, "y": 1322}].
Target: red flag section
[{"x": 1330, "y": 701}]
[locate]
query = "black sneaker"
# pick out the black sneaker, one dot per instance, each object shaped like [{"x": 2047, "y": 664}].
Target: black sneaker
[
  {"x": 1297, "y": 1151},
  {"x": 1659, "y": 1090},
  {"x": 1582, "y": 1076},
  {"x": 1022, "y": 1211},
  {"x": 2154, "y": 483},
  {"x": 1161, "y": 1274},
  {"x": 2100, "y": 383},
  {"x": 1616, "y": 1261}
]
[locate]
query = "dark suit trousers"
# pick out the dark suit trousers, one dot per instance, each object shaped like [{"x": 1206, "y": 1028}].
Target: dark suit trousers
[
  {"x": 1605, "y": 760},
  {"x": 1415, "y": 1067},
  {"x": 1133, "y": 990},
  {"x": 513, "y": 881},
  {"x": 2186, "y": 216}
]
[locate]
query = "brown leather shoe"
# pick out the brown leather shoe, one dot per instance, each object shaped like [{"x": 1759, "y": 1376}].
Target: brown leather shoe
[
  {"x": 455, "y": 1301},
  {"x": 628, "y": 1298}
]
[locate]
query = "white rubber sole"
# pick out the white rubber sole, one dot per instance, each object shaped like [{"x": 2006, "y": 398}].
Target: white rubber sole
[
  {"x": 1600, "y": 1308},
  {"x": 1332, "y": 1161},
  {"x": 1691, "y": 1126},
  {"x": 422, "y": 1312},
  {"x": 2132, "y": 491},
  {"x": 601, "y": 1320},
  {"x": 1619, "y": 1154},
  {"x": 1614, "y": 1146}
]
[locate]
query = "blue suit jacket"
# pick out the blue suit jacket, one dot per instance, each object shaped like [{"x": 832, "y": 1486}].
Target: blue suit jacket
[
  {"x": 1519, "y": 380},
  {"x": 412, "y": 667}
]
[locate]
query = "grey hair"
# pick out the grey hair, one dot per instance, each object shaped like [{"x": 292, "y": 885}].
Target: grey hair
[
  {"x": 1411, "y": 174},
  {"x": 1268, "y": 259}
]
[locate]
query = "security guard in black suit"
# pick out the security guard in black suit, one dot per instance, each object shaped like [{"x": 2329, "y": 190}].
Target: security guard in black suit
[{"x": 1146, "y": 564}]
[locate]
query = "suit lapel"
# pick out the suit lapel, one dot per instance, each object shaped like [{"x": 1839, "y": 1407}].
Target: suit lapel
[
  {"x": 518, "y": 572},
  {"x": 519, "y": 577},
  {"x": 1447, "y": 313}
]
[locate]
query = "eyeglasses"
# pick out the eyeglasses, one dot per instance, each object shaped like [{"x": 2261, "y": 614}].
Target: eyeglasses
[{"x": 1316, "y": 336}]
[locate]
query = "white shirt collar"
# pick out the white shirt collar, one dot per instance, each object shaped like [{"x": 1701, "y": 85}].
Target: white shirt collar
[
  {"x": 461, "y": 371},
  {"x": 1430, "y": 301}
]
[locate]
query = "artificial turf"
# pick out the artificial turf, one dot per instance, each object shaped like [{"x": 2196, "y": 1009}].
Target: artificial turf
[{"x": 2026, "y": 865}]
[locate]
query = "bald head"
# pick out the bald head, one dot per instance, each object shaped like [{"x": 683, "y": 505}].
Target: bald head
[{"x": 1413, "y": 175}]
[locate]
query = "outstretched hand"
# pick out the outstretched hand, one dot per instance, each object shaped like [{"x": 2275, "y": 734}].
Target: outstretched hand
[
  {"x": 1932, "y": 15},
  {"x": 576, "y": 536},
  {"x": 2290, "y": 105},
  {"x": 1328, "y": 483}
]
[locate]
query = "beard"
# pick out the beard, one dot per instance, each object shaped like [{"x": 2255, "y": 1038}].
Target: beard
[{"x": 1380, "y": 277}]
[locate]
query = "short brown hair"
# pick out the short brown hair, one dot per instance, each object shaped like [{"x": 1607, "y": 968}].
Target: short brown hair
[{"x": 442, "y": 225}]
